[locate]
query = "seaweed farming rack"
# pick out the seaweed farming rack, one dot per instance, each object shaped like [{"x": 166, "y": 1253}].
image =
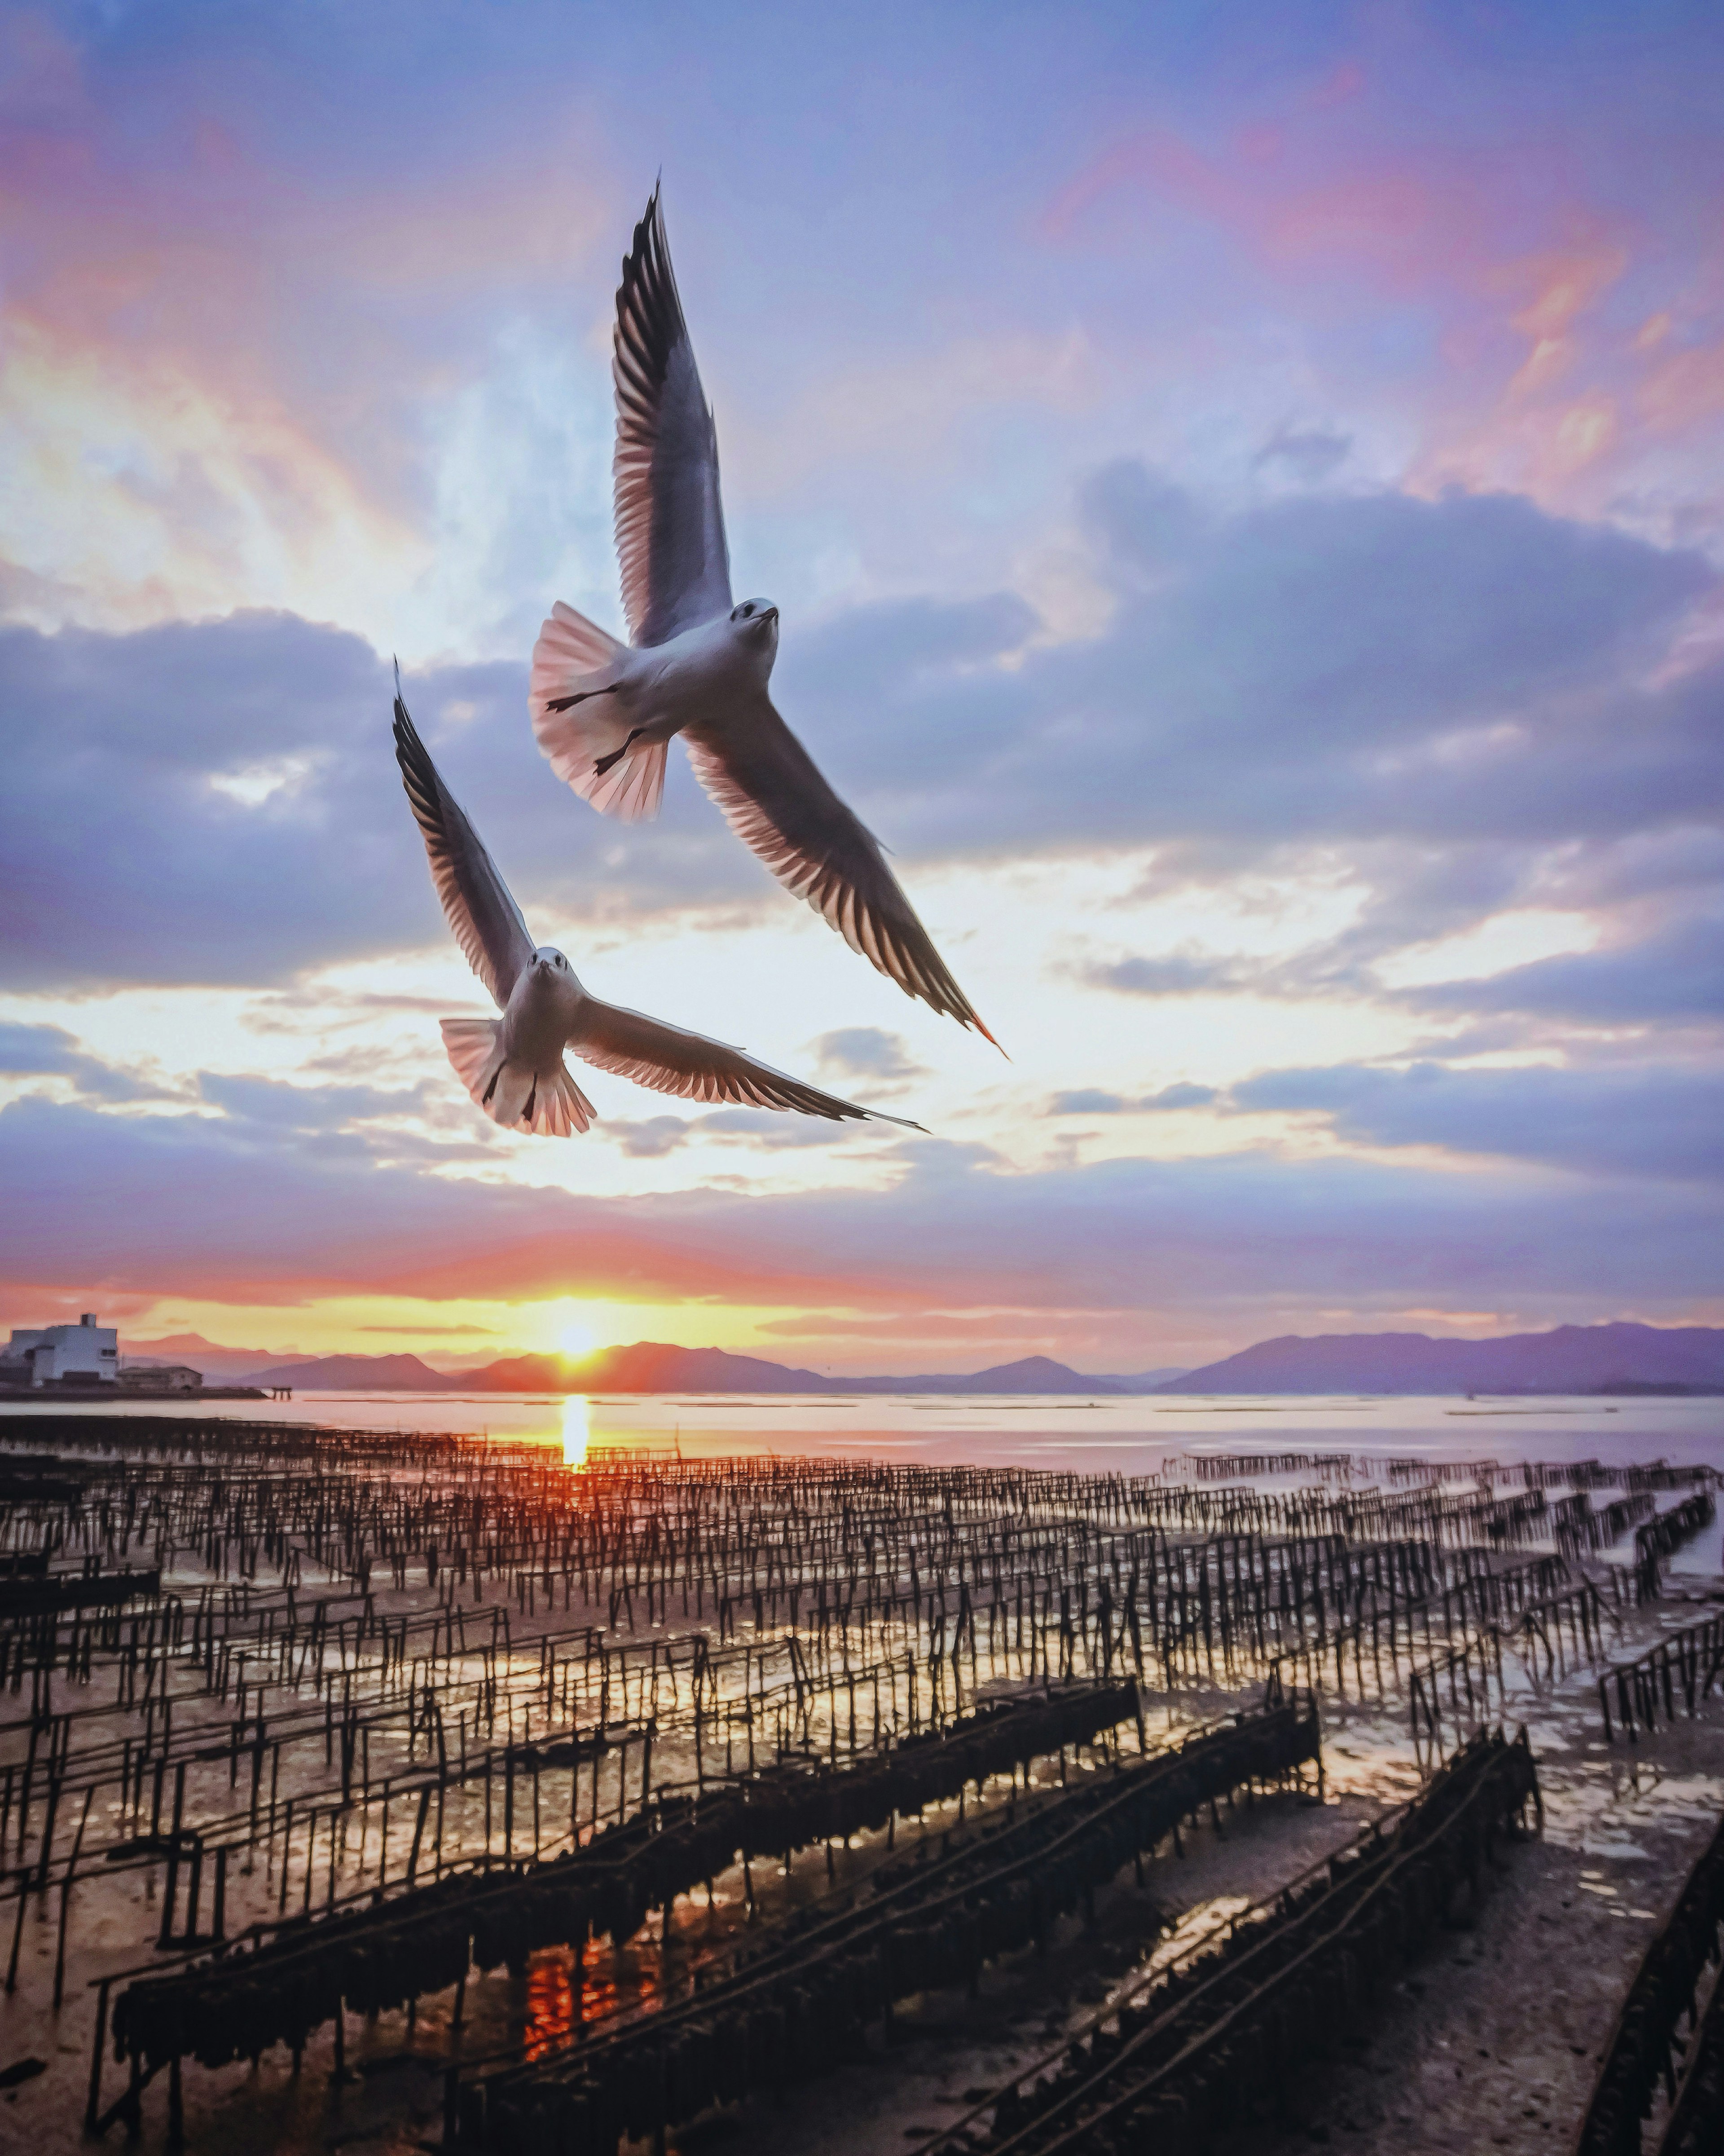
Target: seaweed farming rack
[{"x": 366, "y": 1713}]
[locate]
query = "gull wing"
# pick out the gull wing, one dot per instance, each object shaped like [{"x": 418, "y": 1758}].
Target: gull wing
[
  {"x": 776, "y": 801},
  {"x": 669, "y": 1061},
  {"x": 477, "y": 901},
  {"x": 671, "y": 540}
]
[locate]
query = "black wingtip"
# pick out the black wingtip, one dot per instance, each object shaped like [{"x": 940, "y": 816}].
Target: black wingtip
[
  {"x": 651, "y": 225},
  {"x": 401, "y": 717},
  {"x": 410, "y": 751},
  {"x": 648, "y": 261}
]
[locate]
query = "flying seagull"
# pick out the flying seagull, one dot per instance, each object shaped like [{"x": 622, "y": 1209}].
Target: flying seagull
[
  {"x": 697, "y": 665},
  {"x": 513, "y": 1066}
]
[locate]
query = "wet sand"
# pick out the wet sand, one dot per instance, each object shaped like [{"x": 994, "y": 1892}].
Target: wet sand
[{"x": 1493, "y": 2039}]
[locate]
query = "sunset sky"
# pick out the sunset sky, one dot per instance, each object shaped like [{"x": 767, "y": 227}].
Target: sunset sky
[{"x": 1244, "y": 488}]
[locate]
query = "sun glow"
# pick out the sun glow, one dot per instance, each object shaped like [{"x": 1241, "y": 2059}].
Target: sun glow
[{"x": 571, "y": 1323}]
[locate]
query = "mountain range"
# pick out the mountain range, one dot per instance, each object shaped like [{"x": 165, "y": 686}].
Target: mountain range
[
  {"x": 651, "y": 1366},
  {"x": 1572, "y": 1358},
  {"x": 220, "y": 1365}
]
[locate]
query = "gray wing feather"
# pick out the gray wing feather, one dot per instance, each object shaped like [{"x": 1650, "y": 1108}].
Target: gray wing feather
[
  {"x": 485, "y": 919},
  {"x": 776, "y": 800},
  {"x": 669, "y": 1061},
  {"x": 670, "y": 537}
]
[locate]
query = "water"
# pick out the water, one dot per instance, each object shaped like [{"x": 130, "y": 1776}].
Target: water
[{"x": 1134, "y": 1436}]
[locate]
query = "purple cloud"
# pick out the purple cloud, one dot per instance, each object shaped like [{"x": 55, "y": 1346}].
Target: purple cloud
[
  {"x": 49, "y": 1051},
  {"x": 242, "y": 1211},
  {"x": 216, "y": 802},
  {"x": 1091, "y": 1100},
  {"x": 1645, "y": 1121},
  {"x": 866, "y": 1051}
]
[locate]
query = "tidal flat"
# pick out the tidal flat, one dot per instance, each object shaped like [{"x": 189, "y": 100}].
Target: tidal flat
[{"x": 501, "y": 1790}]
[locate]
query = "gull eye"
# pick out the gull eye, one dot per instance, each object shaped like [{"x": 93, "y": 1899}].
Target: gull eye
[{"x": 746, "y": 611}]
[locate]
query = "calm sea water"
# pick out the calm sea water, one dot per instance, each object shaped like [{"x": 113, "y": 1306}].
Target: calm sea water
[{"x": 1128, "y": 1436}]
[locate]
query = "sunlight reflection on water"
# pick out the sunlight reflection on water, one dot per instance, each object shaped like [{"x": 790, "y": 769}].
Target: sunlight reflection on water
[
  {"x": 575, "y": 1430},
  {"x": 568, "y": 1987},
  {"x": 550, "y": 2004}
]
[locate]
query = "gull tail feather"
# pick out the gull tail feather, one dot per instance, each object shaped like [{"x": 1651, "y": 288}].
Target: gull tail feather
[
  {"x": 548, "y": 1104},
  {"x": 583, "y": 728}
]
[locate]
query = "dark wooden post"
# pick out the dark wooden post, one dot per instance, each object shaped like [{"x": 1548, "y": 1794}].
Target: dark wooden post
[{"x": 93, "y": 2104}]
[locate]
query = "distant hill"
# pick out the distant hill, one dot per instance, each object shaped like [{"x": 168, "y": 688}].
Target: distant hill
[
  {"x": 654, "y": 1366},
  {"x": 649, "y": 1365},
  {"x": 1035, "y": 1373},
  {"x": 356, "y": 1373},
  {"x": 1574, "y": 1359},
  {"x": 219, "y": 1365},
  {"x": 515, "y": 1373}
]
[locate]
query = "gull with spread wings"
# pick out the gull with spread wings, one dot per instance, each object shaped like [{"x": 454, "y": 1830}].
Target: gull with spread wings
[
  {"x": 513, "y": 1066},
  {"x": 697, "y": 665}
]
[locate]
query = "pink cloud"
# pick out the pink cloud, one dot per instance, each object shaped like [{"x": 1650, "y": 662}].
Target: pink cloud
[
  {"x": 1685, "y": 389},
  {"x": 1399, "y": 222},
  {"x": 1347, "y": 81},
  {"x": 258, "y": 339},
  {"x": 1536, "y": 386}
]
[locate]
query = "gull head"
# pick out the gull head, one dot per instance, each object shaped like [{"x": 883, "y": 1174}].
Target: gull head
[
  {"x": 552, "y": 975},
  {"x": 754, "y": 625}
]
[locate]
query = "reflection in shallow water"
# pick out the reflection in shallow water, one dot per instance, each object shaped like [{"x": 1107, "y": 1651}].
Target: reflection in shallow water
[
  {"x": 569, "y": 1987},
  {"x": 550, "y": 2004},
  {"x": 575, "y": 1430}
]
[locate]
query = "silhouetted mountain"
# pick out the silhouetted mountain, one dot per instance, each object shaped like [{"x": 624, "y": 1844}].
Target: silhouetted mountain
[
  {"x": 219, "y": 1365},
  {"x": 651, "y": 1366},
  {"x": 1035, "y": 1373},
  {"x": 648, "y": 1366},
  {"x": 1574, "y": 1359},
  {"x": 356, "y": 1373}
]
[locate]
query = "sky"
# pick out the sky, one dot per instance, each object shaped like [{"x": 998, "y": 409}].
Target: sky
[{"x": 1244, "y": 485}]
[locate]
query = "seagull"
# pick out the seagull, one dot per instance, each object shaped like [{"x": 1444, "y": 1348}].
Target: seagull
[
  {"x": 513, "y": 1067},
  {"x": 603, "y": 711}
]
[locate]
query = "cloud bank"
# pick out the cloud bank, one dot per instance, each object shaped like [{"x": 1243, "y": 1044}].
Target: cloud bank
[{"x": 212, "y": 1209}]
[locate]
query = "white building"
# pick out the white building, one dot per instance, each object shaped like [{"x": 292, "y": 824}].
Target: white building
[{"x": 86, "y": 1353}]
